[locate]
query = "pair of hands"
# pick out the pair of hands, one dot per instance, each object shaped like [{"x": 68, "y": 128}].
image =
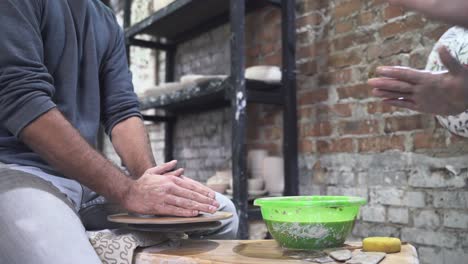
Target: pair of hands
[
  {"x": 435, "y": 93},
  {"x": 451, "y": 11},
  {"x": 161, "y": 191},
  {"x": 443, "y": 93}
]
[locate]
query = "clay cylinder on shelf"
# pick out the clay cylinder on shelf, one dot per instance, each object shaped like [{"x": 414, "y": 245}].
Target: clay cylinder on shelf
[{"x": 273, "y": 174}]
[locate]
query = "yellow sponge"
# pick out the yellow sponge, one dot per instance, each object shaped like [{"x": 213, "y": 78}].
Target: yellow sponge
[{"x": 382, "y": 244}]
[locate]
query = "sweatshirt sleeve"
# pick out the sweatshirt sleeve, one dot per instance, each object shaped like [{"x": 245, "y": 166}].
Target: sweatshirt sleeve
[
  {"x": 26, "y": 87},
  {"x": 119, "y": 100}
]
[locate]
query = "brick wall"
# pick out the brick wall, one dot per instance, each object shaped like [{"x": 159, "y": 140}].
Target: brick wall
[{"x": 413, "y": 173}]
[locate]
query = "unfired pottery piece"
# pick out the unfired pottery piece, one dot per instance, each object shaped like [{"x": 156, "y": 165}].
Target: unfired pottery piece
[
  {"x": 341, "y": 255},
  {"x": 367, "y": 258},
  {"x": 326, "y": 259}
]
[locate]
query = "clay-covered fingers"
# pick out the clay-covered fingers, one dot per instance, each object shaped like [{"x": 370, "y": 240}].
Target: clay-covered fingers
[
  {"x": 197, "y": 191},
  {"x": 189, "y": 204},
  {"x": 401, "y": 103},
  {"x": 168, "y": 209},
  {"x": 184, "y": 191},
  {"x": 454, "y": 66},
  {"x": 402, "y": 74},
  {"x": 387, "y": 85},
  {"x": 176, "y": 173},
  {"x": 163, "y": 168},
  {"x": 200, "y": 187},
  {"x": 388, "y": 94}
]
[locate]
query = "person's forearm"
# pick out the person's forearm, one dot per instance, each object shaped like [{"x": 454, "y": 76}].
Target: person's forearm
[
  {"x": 451, "y": 11},
  {"x": 131, "y": 142},
  {"x": 61, "y": 145}
]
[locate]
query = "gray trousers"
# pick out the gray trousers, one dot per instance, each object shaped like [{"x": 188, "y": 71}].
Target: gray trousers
[{"x": 40, "y": 224}]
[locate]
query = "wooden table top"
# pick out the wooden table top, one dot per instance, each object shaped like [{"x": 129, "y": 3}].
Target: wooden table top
[{"x": 242, "y": 252}]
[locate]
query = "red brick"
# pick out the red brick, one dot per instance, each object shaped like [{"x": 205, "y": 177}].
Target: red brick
[
  {"x": 360, "y": 127},
  {"x": 306, "y": 6},
  {"x": 312, "y": 97},
  {"x": 273, "y": 149},
  {"x": 351, "y": 40},
  {"x": 428, "y": 140},
  {"x": 396, "y": 47},
  {"x": 269, "y": 33},
  {"x": 306, "y": 146},
  {"x": 373, "y": 3},
  {"x": 268, "y": 48},
  {"x": 344, "y": 145},
  {"x": 347, "y": 8},
  {"x": 392, "y": 11},
  {"x": 272, "y": 133},
  {"x": 435, "y": 34},
  {"x": 342, "y": 110},
  {"x": 309, "y": 51},
  {"x": 366, "y": 18},
  {"x": 305, "y": 113},
  {"x": 317, "y": 130},
  {"x": 327, "y": 113},
  {"x": 275, "y": 59},
  {"x": 336, "y": 77},
  {"x": 405, "y": 123},
  {"x": 418, "y": 60},
  {"x": 343, "y": 27},
  {"x": 402, "y": 26},
  {"x": 360, "y": 91},
  {"x": 310, "y": 19},
  {"x": 272, "y": 16},
  {"x": 253, "y": 51},
  {"x": 381, "y": 143},
  {"x": 380, "y": 108},
  {"x": 304, "y": 37},
  {"x": 344, "y": 59},
  {"x": 308, "y": 68}
]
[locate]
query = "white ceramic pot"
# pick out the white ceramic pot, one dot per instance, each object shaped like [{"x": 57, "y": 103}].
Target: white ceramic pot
[
  {"x": 220, "y": 187},
  {"x": 255, "y": 162},
  {"x": 255, "y": 184},
  {"x": 273, "y": 174}
]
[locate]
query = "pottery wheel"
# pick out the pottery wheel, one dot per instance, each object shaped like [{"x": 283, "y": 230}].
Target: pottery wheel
[
  {"x": 168, "y": 220},
  {"x": 176, "y": 228}
]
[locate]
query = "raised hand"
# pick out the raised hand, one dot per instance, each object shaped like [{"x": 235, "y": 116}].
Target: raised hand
[
  {"x": 162, "y": 192},
  {"x": 444, "y": 93},
  {"x": 450, "y": 11}
]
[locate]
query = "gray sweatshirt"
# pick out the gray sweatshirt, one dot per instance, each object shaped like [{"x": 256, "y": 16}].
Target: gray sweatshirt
[{"x": 64, "y": 54}]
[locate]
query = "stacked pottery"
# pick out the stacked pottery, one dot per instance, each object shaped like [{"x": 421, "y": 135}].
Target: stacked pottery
[
  {"x": 220, "y": 181},
  {"x": 255, "y": 159},
  {"x": 273, "y": 174},
  {"x": 256, "y": 182}
]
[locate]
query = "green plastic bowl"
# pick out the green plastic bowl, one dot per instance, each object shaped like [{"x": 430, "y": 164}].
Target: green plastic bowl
[{"x": 310, "y": 222}]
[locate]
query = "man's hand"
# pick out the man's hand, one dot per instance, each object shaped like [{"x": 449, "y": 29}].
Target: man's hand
[
  {"x": 450, "y": 11},
  {"x": 162, "y": 192},
  {"x": 436, "y": 93}
]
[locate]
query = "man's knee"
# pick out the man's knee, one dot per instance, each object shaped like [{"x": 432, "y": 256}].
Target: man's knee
[{"x": 231, "y": 225}]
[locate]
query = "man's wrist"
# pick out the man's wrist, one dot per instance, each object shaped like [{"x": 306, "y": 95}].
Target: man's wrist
[{"x": 124, "y": 191}]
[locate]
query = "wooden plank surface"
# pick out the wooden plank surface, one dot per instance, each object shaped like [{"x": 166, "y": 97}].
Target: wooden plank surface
[{"x": 242, "y": 252}]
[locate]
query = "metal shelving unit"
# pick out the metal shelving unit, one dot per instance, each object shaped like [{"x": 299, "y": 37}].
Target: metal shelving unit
[{"x": 183, "y": 20}]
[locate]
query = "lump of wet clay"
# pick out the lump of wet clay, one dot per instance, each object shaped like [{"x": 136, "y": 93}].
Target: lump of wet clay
[
  {"x": 340, "y": 255},
  {"x": 367, "y": 258}
]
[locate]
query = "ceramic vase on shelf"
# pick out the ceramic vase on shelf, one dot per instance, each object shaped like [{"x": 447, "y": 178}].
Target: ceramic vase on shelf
[
  {"x": 273, "y": 174},
  {"x": 255, "y": 159},
  {"x": 220, "y": 181}
]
